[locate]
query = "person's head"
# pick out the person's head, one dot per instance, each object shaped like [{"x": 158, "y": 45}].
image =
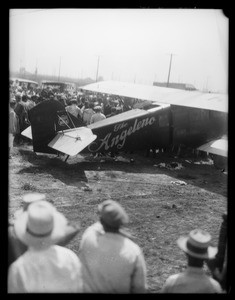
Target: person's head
[
  {"x": 73, "y": 101},
  {"x": 40, "y": 226},
  {"x": 113, "y": 110},
  {"x": 97, "y": 109},
  {"x": 24, "y": 98},
  {"x": 18, "y": 97},
  {"x": 197, "y": 247},
  {"x": 112, "y": 215},
  {"x": 12, "y": 103}
]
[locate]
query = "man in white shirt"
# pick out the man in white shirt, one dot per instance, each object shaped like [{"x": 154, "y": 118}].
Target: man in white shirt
[
  {"x": 16, "y": 247},
  {"x": 194, "y": 279},
  {"x": 111, "y": 261},
  {"x": 98, "y": 116},
  {"x": 44, "y": 267}
]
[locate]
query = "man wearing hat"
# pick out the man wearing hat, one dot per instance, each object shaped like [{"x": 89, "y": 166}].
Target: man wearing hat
[
  {"x": 44, "y": 267},
  {"x": 111, "y": 261},
  {"x": 73, "y": 109},
  {"x": 98, "y": 116},
  {"x": 16, "y": 247},
  {"x": 193, "y": 279}
]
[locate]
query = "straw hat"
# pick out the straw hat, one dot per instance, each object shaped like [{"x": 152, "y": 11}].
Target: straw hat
[
  {"x": 197, "y": 244},
  {"x": 41, "y": 225}
]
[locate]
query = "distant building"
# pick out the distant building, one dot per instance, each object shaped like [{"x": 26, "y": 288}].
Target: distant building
[{"x": 174, "y": 85}]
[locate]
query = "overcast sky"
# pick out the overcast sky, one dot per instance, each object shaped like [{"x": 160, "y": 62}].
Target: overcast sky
[{"x": 134, "y": 45}]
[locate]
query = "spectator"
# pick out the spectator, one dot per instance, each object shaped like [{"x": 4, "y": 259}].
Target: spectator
[
  {"x": 21, "y": 112},
  {"x": 113, "y": 112},
  {"x": 44, "y": 267},
  {"x": 218, "y": 265},
  {"x": 111, "y": 261},
  {"x": 107, "y": 108},
  {"x": 73, "y": 109},
  {"x": 13, "y": 125},
  {"x": 193, "y": 279},
  {"x": 98, "y": 116},
  {"x": 15, "y": 247},
  {"x": 88, "y": 112}
]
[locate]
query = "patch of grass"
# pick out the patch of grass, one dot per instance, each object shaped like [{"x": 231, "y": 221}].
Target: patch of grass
[
  {"x": 28, "y": 187},
  {"x": 186, "y": 176}
]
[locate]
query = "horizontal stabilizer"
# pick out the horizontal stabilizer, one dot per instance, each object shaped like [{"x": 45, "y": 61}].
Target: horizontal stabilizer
[
  {"x": 27, "y": 132},
  {"x": 218, "y": 147},
  {"x": 72, "y": 141}
]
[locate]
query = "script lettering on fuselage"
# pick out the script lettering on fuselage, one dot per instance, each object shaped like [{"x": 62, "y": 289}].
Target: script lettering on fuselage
[{"x": 114, "y": 139}]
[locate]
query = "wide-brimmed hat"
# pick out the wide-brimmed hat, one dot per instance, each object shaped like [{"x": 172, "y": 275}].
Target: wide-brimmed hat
[
  {"x": 41, "y": 225},
  {"x": 197, "y": 244},
  {"x": 112, "y": 214}
]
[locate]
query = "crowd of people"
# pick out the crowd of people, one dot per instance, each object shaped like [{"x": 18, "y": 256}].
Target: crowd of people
[
  {"x": 108, "y": 259},
  {"x": 88, "y": 107}
]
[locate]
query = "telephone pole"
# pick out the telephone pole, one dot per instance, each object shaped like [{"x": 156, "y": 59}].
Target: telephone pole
[
  {"x": 59, "y": 70},
  {"x": 169, "y": 72},
  {"x": 97, "y": 68}
]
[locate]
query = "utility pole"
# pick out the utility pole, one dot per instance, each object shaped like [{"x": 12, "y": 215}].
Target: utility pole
[
  {"x": 59, "y": 70},
  {"x": 97, "y": 68},
  {"x": 36, "y": 70},
  {"x": 169, "y": 72}
]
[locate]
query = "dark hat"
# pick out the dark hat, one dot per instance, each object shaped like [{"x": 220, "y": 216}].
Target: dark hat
[
  {"x": 112, "y": 214},
  {"x": 197, "y": 244}
]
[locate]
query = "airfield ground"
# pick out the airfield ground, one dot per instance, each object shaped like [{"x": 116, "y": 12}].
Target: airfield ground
[{"x": 162, "y": 203}]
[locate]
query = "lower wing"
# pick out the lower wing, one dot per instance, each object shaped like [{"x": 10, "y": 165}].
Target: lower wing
[{"x": 218, "y": 147}]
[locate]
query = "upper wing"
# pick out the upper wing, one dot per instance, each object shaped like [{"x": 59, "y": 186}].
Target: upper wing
[
  {"x": 218, "y": 147},
  {"x": 72, "y": 141},
  {"x": 27, "y": 132},
  {"x": 211, "y": 101}
]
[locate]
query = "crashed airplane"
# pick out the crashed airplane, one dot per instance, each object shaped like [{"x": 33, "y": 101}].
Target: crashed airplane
[{"x": 167, "y": 117}]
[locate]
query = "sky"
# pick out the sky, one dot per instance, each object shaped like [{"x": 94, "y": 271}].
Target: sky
[{"x": 131, "y": 45}]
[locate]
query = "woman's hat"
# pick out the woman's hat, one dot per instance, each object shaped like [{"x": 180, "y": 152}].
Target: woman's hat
[
  {"x": 112, "y": 214},
  {"x": 41, "y": 225},
  {"x": 197, "y": 244}
]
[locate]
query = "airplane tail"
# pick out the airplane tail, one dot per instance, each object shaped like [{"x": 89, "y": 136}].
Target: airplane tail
[{"x": 47, "y": 118}]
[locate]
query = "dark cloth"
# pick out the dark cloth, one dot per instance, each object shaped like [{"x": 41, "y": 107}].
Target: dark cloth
[
  {"x": 15, "y": 247},
  {"x": 219, "y": 261},
  {"x": 107, "y": 109},
  {"x": 21, "y": 112}
]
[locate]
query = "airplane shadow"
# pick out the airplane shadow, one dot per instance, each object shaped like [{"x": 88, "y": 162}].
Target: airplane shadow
[{"x": 72, "y": 172}]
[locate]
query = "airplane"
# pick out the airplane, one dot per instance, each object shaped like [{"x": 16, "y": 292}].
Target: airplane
[{"x": 164, "y": 117}]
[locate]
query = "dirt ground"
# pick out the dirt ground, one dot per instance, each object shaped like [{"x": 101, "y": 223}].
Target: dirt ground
[{"x": 162, "y": 203}]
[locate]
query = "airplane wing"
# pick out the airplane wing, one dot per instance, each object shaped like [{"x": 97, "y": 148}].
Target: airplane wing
[
  {"x": 218, "y": 147},
  {"x": 155, "y": 94},
  {"x": 27, "y": 132},
  {"x": 72, "y": 141}
]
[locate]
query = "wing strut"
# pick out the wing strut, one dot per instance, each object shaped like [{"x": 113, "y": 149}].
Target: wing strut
[{"x": 66, "y": 158}]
